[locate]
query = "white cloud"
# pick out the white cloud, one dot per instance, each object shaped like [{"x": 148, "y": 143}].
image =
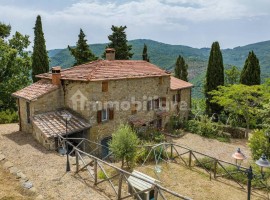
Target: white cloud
[{"x": 155, "y": 19}]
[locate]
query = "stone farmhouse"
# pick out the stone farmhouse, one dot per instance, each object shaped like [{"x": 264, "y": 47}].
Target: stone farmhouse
[{"x": 100, "y": 95}]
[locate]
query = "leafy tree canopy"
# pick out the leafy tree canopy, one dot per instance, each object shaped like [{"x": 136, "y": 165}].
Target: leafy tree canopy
[
  {"x": 232, "y": 75},
  {"x": 241, "y": 100},
  {"x": 119, "y": 41},
  {"x": 124, "y": 144},
  {"x": 40, "y": 60},
  {"x": 14, "y": 66},
  {"x": 82, "y": 52}
]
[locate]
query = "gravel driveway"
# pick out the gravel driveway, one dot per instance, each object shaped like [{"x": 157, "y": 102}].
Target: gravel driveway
[
  {"x": 45, "y": 169},
  {"x": 214, "y": 148}
]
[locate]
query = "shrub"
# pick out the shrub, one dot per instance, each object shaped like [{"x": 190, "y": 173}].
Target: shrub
[
  {"x": 151, "y": 134},
  {"x": 101, "y": 175},
  {"x": 259, "y": 144},
  {"x": 8, "y": 116},
  {"x": 124, "y": 144}
]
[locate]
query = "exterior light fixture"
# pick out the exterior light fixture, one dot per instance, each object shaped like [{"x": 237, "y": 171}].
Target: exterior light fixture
[
  {"x": 239, "y": 157},
  {"x": 262, "y": 162}
]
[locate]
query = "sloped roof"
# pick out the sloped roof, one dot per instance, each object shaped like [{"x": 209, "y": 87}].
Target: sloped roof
[
  {"x": 177, "y": 84},
  {"x": 139, "y": 184},
  {"x": 36, "y": 90},
  {"x": 53, "y": 123},
  {"x": 109, "y": 70}
]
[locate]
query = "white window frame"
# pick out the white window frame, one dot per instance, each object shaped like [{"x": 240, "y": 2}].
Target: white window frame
[{"x": 104, "y": 115}]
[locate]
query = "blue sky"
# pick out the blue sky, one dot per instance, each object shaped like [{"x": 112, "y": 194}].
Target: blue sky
[{"x": 195, "y": 23}]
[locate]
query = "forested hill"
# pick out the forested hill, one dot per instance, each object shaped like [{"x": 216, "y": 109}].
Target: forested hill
[{"x": 164, "y": 56}]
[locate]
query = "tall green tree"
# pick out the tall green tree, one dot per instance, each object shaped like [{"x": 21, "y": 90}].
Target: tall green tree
[
  {"x": 119, "y": 41},
  {"x": 82, "y": 52},
  {"x": 242, "y": 100},
  {"x": 232, "y": 75},
  {"x": 251, "y": 73},
  {"x": 214, "y": 78},
  {"x": 124, "y": 144},
  {"x": 14, "y": 66},
  {"x": 40, "y": 59},
  {"x": 180, "y": 69},
  {"x": 145, "y": 54}
]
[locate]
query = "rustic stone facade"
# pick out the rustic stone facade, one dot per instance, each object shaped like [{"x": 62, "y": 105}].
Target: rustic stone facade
[{"x": 148, "y": 97}]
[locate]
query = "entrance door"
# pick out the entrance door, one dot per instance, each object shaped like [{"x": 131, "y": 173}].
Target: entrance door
[
  {"x": 105, "y": 146},
  {"x": 159, "y": 123}
]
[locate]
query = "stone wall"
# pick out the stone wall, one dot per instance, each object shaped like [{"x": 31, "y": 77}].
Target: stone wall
[
  {"x": 25, "y": 126},
  {"x": 184, "y": 104},
  {"x": 87, "y": 97},
  {"x": 48, "y": 143},
  {"x": 46, "y": 103}
]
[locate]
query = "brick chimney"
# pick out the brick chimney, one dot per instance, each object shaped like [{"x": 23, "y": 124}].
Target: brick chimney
[
  {"x": 56, "y": 75},
  {"x": 110, "y": 54}
]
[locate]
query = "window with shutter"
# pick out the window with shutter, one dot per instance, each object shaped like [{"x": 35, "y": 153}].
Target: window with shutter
[
  {"x": 105, "y": 85},
  {"x": 178, "y": 97},
  {"x": 163, "y": 102},
  {"x": 111, "y": 114},
  {"x": 99, "y": 116}
]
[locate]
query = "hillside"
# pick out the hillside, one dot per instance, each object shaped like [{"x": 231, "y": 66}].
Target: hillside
[{"x": 164, "y": 56}]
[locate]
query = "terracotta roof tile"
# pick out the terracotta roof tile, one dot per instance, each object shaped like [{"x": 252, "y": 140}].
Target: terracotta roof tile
[
  {"x": 35, "y": 90},
  {"x": 179, "y": 84},
  {"x": 52, "y": 123},
  {"x": 109, "y": 70}
]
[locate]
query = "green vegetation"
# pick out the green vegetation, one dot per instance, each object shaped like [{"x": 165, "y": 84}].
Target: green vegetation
[
  {"x": 251, "y": 73},
  {"x": 164, "y": 55},
  {"x": 208, "y": 163},
  {"x": 145, "y": 56},
  {"x": 214, "y": 78},
  {"x": 119, "y": 41},
  {"x": 8, "y": 116},
  {"x": 259, "y": 144},
  {"x": 82, "y": 52},
  {"x": 180, "y": 70},
  {"x": 40, "y": 60},
  {"x": 124, "y": 145},
  {"x": 14, "y": 67},
  {"x": 240, "y": 100},
  {"x": 232, "y": 75}
]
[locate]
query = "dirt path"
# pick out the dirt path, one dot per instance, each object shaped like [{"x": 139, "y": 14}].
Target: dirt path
[
  {"x": 46, "y": 169},
  {"x": 214, "y": 148}
]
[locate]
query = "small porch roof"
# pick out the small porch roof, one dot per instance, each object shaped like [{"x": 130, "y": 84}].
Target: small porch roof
[{"x": 52, "y": 123}]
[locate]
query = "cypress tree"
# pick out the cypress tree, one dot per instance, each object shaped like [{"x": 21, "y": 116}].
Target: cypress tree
[
  {"x": 214, "y": 78},
  {"x": 144, "y": 54},
  {"x": 82, "y": 52},
  {"x": 119, "y": 42},
  {"x": 180, "y": 69},
  {"x": 40, "y": 60},
  {"x": 251, "y": 72}
]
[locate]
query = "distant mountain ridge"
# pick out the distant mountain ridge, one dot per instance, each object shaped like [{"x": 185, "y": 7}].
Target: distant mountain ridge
[{"x": 165, "y": 55}]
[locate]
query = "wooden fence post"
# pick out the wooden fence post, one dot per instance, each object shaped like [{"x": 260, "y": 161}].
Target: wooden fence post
[
  {"x": 171, "y": 151},
  {"x": 95, "y": 171},
  {"x": 155, "y": 193},
  {"x": 190, "y": 158},
  {"x": 77, "y": 161},
  {"x": 215, "y": 168},
  {"x": 120, "y": 185}
]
